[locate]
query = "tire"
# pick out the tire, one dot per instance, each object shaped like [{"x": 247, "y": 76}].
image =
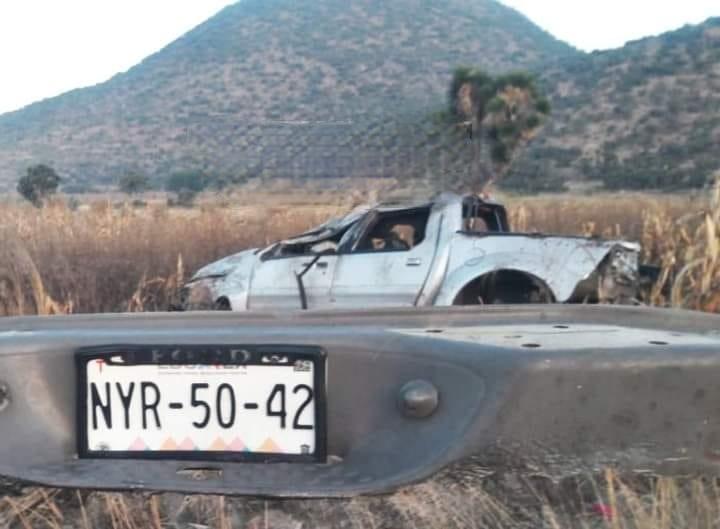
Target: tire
[
  {"x": 509, "y": 294},
  {"x": 222, "y": 304},
  {"x": 505, "y": 288}
]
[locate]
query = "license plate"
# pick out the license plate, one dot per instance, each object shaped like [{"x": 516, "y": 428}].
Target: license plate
[{"x": 208, "y": 402}]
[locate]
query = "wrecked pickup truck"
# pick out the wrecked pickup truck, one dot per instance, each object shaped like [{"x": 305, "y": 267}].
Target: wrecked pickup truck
[{"x": 452, "y": 250}]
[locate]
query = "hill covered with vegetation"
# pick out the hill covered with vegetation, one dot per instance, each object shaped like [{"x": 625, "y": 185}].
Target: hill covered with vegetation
[
  {"x": 643, "y": 116},
  {"x": 318, "y": 88}
]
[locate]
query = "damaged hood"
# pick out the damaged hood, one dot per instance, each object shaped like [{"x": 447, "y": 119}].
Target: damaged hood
[
  {"x": 232, "y": 263},
  {"x": 225, "y": 266}
]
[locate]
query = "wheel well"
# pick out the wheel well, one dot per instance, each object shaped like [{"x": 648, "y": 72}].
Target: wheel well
[
  {"x": 505, "y": 286},
  {"x": 222, "y": 303}
]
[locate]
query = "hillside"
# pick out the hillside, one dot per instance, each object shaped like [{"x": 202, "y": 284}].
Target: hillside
[
  {"x": 310, "y": 87},
  {"x": 645, "y": 115},
  {"x": 322, "y": 88}
]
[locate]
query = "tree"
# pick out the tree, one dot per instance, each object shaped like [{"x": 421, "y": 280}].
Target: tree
[
  {"x": 186, "y": 181},
  {"x": 133, "y": 183},
  {"x": 40, "y": 181},
  {"x": 497, "y": 116},
  {"x": 186, "y": 185}
]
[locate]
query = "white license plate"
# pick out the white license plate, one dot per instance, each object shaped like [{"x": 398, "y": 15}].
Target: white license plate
[{"x": 202, "y": 402}]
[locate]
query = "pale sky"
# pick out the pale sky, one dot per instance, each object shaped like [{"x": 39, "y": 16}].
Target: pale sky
[
  {"x": 51, "y": 46},
  {"x": 602, "y": 24}
]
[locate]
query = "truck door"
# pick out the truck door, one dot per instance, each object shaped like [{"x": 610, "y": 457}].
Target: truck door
[
  {"x": 313, "y": 255},
  {"x": 387, "y": 262},
  {"x": 274, "y": 284}
]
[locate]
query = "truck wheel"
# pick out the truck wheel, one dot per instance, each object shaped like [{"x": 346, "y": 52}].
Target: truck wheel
[
  {"x": 508, "y": 294},
  {"x": 222, "y": 304},
  {"x": 504, "y": 287}
]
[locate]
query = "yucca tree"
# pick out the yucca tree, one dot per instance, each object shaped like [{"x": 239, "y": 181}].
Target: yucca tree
[{"x": 496, "y": 116}]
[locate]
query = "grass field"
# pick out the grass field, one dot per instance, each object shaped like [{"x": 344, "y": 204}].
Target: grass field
[
  {"x": 106, "y": 255},
  {"x": 499, "y": 499},
  {"x": 109, "y": 256}
]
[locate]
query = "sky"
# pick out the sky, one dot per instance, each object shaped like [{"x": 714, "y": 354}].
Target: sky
[
  {"x": 51, "y": 46},
  {"x": 48, "y": 47},
  {"x": 602, "y": 24}
]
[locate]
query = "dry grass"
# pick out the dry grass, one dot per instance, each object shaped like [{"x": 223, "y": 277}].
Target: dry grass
[
  {"x": 104, "y": 257},
  {"x": 503, "y": 501},
  {"x": 679, "y": 233}
]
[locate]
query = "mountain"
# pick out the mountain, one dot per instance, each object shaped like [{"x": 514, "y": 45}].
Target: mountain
[
  {"x": 357, "y": 87},
  {"x": 643, "y": 116},
  {"x": 315, "y": 87}
]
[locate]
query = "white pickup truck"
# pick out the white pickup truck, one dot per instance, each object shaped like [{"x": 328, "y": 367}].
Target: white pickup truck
[{"x": 452, "y": 250}]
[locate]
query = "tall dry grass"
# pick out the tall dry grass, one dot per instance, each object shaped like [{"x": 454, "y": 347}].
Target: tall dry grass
[
  {"x": 498, "y": 501},
  {"x": 105, "y": 257},
  {"x": 680, "y": 234}
]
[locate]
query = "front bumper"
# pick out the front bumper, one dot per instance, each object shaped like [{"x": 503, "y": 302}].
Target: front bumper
[
  {"x": 197, "y": 295},
  {"x": 560, "y": 388}
]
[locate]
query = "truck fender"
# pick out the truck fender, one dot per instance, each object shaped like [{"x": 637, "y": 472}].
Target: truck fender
[{"x": 560, "y": 281}]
